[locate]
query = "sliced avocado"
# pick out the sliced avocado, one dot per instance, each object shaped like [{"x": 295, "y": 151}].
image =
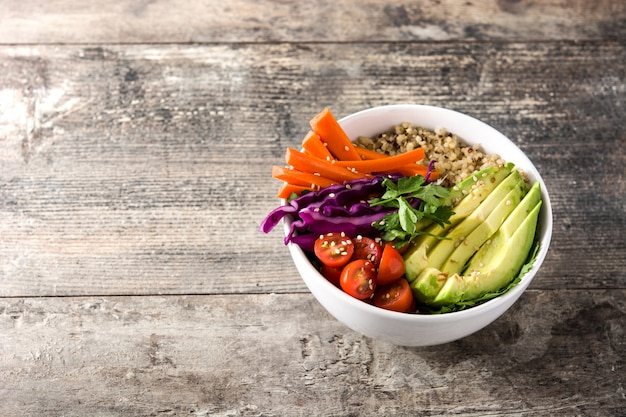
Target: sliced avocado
[
  {"x": 466, "y": 197},
  {"x": 455, "y": 236},
  {"x": 518, "y": 229},
  {"x": 498, "y": 260},
  {"x": 428, "y": 284},
  {"x": 470, "y": 245}
]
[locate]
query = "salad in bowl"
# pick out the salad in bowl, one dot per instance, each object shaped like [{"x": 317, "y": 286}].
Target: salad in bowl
[{"x": 410, "y": 223}]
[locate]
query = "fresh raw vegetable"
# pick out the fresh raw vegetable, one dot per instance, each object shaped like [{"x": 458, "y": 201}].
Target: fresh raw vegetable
[
  {"x": 396, "y": 296},
  {"x": 334, "y": 249},
  {"x": 313, "y": 145},
  {"x": 330, "y": 132},
  {"x": 304, "y": 179},
  {"x": 340, "y": 207},
  {"x": 286, "y": 190},
  {"x": 367, "y": 248},
  {"x": 384, "y": 165},
  {"x": 332, "y": 274},
  {"x": 358, "y": 279},
  {"x": 416, "y": 201},
  {"x": 391, "y": 266},
  {"x": 367, "y": 154},
  {"x": 306, "y": 163}
]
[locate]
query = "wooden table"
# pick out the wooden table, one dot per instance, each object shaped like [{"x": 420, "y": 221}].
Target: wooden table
[{"x": 137, "y": 140}]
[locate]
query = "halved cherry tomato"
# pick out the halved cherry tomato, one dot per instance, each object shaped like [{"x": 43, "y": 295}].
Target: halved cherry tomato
[
  {"x": 396, "y": 296},
  {"x": 358, "y": 279},
  {"x": 331, "y": 273},
  {"x": 367, "y": 248},
  {"x": 391, "y": 265},
  {"x": 334, "y": 249}
]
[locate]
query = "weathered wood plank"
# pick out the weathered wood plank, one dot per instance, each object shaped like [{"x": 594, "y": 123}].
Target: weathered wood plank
[
  {"x": 554, "y": 353},
  {"x": 134, "y": 169},
  {"x": 124, "y": 21}
]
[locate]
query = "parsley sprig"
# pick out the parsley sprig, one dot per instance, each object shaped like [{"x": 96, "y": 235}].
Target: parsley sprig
[{"x": 415, "y": 201}]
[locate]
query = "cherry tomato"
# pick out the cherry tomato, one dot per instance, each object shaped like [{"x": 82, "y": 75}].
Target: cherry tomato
[
  {"x": 391, "y": 265},
  {"x": 331, "y": 273},
  {"x": 367, "y": 248},
  {"x": 358, "y": 279},
  {"x": 396, "y": 296},
  {"x": 334, "y": 249}
]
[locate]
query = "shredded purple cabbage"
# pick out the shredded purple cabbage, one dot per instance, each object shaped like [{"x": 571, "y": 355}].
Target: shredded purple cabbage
[{"x": 338, "y": 208}]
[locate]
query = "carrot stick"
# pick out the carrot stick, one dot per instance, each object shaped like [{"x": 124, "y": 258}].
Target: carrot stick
[
  {"x": 295, "y": 177},
  {"x": 286, "y": 190},
  {"x": 369, "y": 154},
  {"x": 307, "y": 163},
  {"x": 384, "y": 164},
  {"x": 328, "y": 129},
  {"x": 313, "y": 145},
  {"x": 411, "y": 170}
]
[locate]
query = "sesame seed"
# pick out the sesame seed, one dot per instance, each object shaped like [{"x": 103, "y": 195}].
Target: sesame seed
[{"x": 346, "y": 148}]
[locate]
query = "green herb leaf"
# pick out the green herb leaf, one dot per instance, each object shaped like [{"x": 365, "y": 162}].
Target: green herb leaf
[{"x": 415, "y": 200}]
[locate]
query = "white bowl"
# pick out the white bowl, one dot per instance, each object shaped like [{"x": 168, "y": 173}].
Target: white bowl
[{"x": 415, "y": 329}]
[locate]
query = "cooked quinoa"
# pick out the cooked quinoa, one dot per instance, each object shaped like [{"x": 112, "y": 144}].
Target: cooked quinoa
[{"x": 454, "y": 160}]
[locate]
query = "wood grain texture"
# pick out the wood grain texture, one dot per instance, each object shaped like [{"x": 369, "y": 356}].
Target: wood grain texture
[
  {"x": 146, "y": 169},
  {"x": 556, "y": 352},
  {"x": 180, "y": 21},
  {"x": 136, "y": 145}
]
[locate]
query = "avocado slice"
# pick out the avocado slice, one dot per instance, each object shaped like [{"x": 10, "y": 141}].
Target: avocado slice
[
  {"x": 518, "y": 229},
  {"x": 471, "y": 244},
  {"x": 465, "y": 197},
  {"x": 428, "y": 284},
  {"x": 455, "y": 236},
  {"x": 499, "y": 259}
]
